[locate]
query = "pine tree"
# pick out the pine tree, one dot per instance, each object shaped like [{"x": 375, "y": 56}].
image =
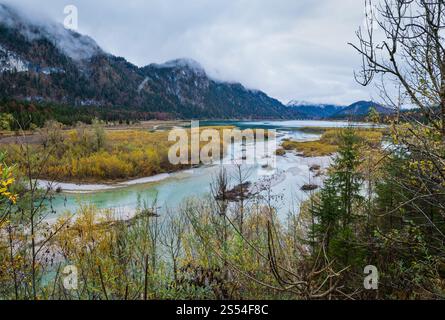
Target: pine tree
[
  {"x": 345, "y": 175},
  {"x": 326, "y": 213},
  {"x": 333, "y": 214}
]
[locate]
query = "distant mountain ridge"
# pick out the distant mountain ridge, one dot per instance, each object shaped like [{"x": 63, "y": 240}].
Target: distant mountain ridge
[
  {"x": 44, "y": 62},
  {"x": 314, "y": 111},
  {"x": 356, "y": 110},
  {"x": 362, "y": 108}
]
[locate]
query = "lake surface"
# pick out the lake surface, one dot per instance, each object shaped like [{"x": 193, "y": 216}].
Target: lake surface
[{"x": 291, "y": 173}]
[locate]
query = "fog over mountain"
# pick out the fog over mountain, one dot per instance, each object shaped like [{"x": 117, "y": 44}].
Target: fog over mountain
[
  {"x": 47, "y": 63},
  {"x": 74, "y": 45},
  {"x": 289, "y": 49}
]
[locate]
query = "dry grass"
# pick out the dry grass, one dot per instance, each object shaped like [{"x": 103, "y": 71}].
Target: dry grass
[
  {"x": 123, "y": 155},
  {"x": 328, "y": 143},
  {"x": 310, "y": 148}
]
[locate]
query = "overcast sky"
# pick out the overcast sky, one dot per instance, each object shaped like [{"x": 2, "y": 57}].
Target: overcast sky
[{"x": 291, "y": 49}]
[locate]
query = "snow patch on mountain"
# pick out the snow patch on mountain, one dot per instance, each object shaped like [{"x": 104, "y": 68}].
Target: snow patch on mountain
[
  {"x": 9, "y": 62},
  {"x": 143, "y": 83}
]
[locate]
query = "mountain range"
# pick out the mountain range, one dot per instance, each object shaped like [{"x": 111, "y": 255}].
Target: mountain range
[
  {"x": 43, "y": 62},
  {"x": 357, "y": 110}
]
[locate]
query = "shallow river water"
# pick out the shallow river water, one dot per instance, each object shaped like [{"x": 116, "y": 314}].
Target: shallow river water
[{"x": 170, "y": 190}]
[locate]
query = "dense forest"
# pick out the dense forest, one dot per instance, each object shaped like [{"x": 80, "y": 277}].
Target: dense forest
[{"x": 31, "y": 115}]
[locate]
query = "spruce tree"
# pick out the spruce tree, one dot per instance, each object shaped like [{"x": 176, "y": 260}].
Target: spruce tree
[{"x": 333, "y": 213}]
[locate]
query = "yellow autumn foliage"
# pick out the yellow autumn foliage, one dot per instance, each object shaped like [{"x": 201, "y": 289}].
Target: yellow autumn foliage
[
  {"x": 329, "y": 141},
  {"x": 6, "y": 181},
  {"x": 120, "y": 155}
]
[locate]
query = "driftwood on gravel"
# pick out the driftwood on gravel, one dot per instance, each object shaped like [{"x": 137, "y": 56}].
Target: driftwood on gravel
[{"x": 309, "y": 187}]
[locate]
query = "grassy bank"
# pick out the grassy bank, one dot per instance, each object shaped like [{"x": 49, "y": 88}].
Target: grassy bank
[
  {"x": 329, "y": 141},
  {"x": 91, "y": 154}
]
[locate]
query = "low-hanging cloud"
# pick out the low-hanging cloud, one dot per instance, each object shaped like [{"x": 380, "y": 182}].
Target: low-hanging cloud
[
  {"x": 33, "y": 27},
  {"x": 289, "y": 49}
]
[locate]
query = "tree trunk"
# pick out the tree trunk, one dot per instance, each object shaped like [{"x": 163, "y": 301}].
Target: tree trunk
[{"x": 442, "y": 101}]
